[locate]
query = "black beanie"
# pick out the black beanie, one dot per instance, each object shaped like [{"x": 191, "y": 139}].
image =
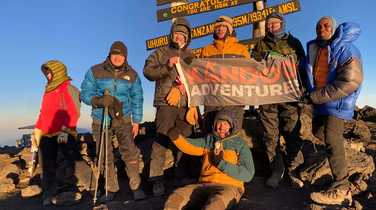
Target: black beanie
[{"x": 118, "y": 47}]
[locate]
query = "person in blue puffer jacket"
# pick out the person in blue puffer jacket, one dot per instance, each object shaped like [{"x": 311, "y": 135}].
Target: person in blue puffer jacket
[
  {"x": 125, "y": 102},
  {"x": 335, "y": 76}
]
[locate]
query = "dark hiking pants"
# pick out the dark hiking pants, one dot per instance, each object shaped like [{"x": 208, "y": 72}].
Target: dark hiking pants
[
  {"x": 204, "y": 196},
  {"x": 57, "y": 170},
  {"x": 166, "y": 118},
  {"x": 331, "y": 129},
  {"x": 281, "y": 119},
  {"x": 129, "y": 153}
]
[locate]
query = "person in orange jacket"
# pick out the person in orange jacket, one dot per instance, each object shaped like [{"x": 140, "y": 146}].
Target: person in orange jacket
[{"x": 225, "y": 45}]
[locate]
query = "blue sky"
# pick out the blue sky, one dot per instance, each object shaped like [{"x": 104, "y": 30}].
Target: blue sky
[{"x": 80, "y": 32}]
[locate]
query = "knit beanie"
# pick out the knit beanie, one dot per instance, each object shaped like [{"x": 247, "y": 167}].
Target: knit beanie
[
  {"x": 59, "y": 74},
  {"x": 280, "y": 33},
  {"x": 182, "y": 29},
  {"x": 225, "y": 21},
  {"x": 118, "y": 47}
]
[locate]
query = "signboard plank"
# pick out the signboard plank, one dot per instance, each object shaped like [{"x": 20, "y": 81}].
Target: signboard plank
[
  {"x": 198, "y": 7},
  {"x": 240, "y": 20},
  {"x": 162, "y": 2}
]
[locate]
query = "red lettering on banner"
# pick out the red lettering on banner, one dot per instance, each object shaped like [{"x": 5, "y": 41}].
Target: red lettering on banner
[
  {"x": 270, "y": 75},
  {"x": 289, "y": 69},
  {"x": 194, "y": 76},
  {"x": 247, "y": 75},
  {"x": 210, "y": 74}
]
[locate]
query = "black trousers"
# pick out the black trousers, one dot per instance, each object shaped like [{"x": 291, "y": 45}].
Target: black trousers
[
  {"x": 281, "y": 119},
  {"x": 57, "y": 163},
  {"x": 129, "y": 153},
  {"x": 167, "y": 117},
  {"x": 330, "y": 129}
]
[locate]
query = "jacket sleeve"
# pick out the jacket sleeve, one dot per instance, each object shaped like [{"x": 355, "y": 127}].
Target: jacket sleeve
[
  {"x": 194, "y": 147},
  {"x": 136, "y": 100},
  {"x": 245, "y": 52},
  {"x": 301, "y": 65},
  {"x": 88, "y": 88},
  {"x": 349, "y": 78},
  {"x": 153, "y": 69},
  {"x": 244, "y": 170},
  {"x": 257, "y": 53}
]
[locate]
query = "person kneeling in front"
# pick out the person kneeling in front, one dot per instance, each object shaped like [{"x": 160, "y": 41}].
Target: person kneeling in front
[{"x": 227, "y": 164}]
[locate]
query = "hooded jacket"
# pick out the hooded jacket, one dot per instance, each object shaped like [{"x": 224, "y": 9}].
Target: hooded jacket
[
  {"x": 345, "y": 73},
  {"x": 237, "y": 165},
  {"x": 123, "y": 84},
  {"x": 156, "y": 66}
]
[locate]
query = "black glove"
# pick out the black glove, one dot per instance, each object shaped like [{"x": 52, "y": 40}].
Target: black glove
[
  {"x": 306, "y": 99},
  {"x": 116, "y": 109},
  {"x": 103, "y": 101}
]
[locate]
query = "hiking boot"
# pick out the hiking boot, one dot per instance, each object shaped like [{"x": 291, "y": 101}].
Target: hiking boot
[
  {"x": 278, "y": 170},
  {"x": 274, "y": 179},
  {"x": 46, "y": 201},
  {"x": 138, "y": 194},
  {"x": 46, "y": 198},
  {"x": 66, "y": 198},
  {"x": 158, "y": 188},
  {"x": 332, "y": 197},
  {"x": 105, "y": 199}
]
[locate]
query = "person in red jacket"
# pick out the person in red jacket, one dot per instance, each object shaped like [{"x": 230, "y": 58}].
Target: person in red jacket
[{"x": 55, "y": 128}]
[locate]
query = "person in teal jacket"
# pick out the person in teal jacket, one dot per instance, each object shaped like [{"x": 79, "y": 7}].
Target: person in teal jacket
[{"x": 227, "y": 164}]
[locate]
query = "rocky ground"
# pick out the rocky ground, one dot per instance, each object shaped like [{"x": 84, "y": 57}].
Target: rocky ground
[{"x": 17, "y": 191}]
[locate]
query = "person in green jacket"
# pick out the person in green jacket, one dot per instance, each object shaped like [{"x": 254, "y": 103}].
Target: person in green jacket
[{"x": 282, "y": 118}]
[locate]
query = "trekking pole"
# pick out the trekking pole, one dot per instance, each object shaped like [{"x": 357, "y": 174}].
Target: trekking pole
[
  {"x": 99, "y": 164},
  {"x": 106, "y": 148},
  {"x": 104, "y": 134}
]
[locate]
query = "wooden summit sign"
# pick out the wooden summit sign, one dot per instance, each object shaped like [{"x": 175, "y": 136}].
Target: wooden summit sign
[
  {"x": 198, "y": 7},
  {"x": 241, "y": 20},
  {"x": 162, "y": 2}
]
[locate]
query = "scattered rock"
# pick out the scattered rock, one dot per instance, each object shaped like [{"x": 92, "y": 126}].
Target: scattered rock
[
  {"x": 361, "y": 131},
  {"x": 7, "y": 188},
  {"x": 31, "y": 191},
  {"x": 7, "y": 168},
  {"x": 367, "y": 113},
  {"x": 359, "y": 164},
  {"x": 357, "y": 205},
  {"x": 101, "y": 207},
  {"x": 66, "y": 198}
]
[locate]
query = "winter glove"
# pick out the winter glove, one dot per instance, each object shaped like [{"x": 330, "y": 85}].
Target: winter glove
[
  {"x": 306, "y": 99},
  {"x": 62, "y": 138},
  {"x": 192, "y": 115},
  {"x": 103, "y": 101},
  {"x": 173, "y": 97}
]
